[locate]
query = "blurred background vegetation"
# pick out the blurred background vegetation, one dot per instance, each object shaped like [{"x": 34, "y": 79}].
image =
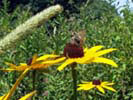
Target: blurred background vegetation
[{"x": 103, "y": 25}]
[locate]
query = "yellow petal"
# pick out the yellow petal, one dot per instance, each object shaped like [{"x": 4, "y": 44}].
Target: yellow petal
[
  {"x": 10, "y": 64},
  {"x": 2, "y": 97},
  {"x": 109, "y": 88},
  {"x": 100, "y": 89},
  {"x": 107, "y": 83},
  {"x": 89, "y": 54},
  {"x": 27, "y": 96},
  {"x": 54, "y": 61},
  {"x": 85, "y": 83},
  {"x": 102, "y": 52},
  {"x": 94, "y": 49},
  {"x": 8, "y": 69},
  {"x": 34, "y": 58},
  {"x": 87, "y": 59},
  {"x": 105, "y": 60},
  {"x": 16, "y": 84},
  {"x": 40, "y": 66},
  {"x": 44, "y": 57},
  {"x": 23, "y": 64},
  {"x": 81, "y": 60},
  {"x": 86, "y": 86},
  {"x": 21, "y": 68},
  {"x": 67, "y": 62},
  {"x": 85, "y": 49}
]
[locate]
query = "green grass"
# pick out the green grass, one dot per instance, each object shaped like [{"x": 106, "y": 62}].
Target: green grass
[{"x": 110, "y": 31}]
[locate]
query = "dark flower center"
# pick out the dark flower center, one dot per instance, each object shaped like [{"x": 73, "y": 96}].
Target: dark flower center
[
  {"x": 29, "y": 61},
  {"x": 73, "y": 51},
  {"x": 96, "y": 82}
]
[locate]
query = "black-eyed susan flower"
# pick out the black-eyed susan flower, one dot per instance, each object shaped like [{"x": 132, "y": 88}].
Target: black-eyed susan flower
[
  {"x": 96, "y": 84},
  {"x": 35, "y": 63},
  {"x": 75, "y": 54}
]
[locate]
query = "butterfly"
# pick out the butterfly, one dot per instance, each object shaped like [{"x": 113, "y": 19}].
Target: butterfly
[{"x": 78, "y": 38}]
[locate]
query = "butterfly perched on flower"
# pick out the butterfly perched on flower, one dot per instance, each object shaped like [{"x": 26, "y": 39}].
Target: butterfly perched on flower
[{"x": 78, "y": 38}]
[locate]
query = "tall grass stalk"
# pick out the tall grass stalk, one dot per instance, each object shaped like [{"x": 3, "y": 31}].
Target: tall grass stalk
[{"x": 26, "y": 28}]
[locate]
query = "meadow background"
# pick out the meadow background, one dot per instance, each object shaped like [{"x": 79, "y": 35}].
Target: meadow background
[{"x": 103, "y": 25}]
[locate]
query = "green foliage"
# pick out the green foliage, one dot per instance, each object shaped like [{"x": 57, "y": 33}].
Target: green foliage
[
  {"x": 109, "y": 30},
  {"x": 9, "y": 21}
]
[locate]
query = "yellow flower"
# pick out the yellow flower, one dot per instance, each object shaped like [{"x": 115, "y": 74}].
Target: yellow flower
[
  {"x": 74, "y": 54},
  {"x": 35, "y": 63},
  {"x": 96, "y": 84}
]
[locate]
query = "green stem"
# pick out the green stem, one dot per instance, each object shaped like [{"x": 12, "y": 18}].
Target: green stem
[
  {"x": 95, "y": 97},
  {"x": 34, "y": 78},
  {"x": 86, "y": 95},
  {"x": 74, "y": 76}
]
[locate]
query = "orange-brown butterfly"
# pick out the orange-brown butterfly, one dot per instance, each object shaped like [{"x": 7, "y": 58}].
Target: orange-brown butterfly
[{"x": 78, "y": 38}]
